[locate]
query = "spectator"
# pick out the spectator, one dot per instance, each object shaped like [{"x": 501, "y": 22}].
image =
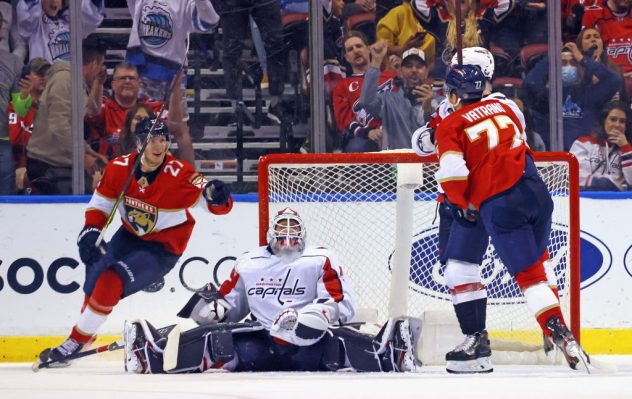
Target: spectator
[
  {"x": 582, "y": 97},
  {"x": 156, "y": 48},
  {"x": 235, "y": 15},
  {"x": 438, "y": 18},
  {"x": 382, "y": 7},
  {"x": 133, "y": 115},
  {"x": 11, "y": 40},
  {"x": 361, "y": 130},
  {"x": 590, "y": 43},
  {"x": 399, "y": 25},
  {"x": 401, "y": 111},
  {"x": 10, "y": 67},
  {"x": 605, "y": 155},
  {"x": 614, "y": 21},
  {"x": 45, "y": 25},
  {"x": 106, "y": 125},
  {"x": 49, "y": 158},
  {"x": 20, "y": 128}
]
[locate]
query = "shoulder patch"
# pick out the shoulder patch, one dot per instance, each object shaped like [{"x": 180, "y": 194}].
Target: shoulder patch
[{"x": 198, "y": 180}]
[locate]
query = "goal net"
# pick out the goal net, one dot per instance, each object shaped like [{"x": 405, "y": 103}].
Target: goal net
[{"x": 378, "y": 212}]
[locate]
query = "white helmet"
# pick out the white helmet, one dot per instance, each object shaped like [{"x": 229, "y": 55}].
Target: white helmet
[
  {"x": 286, "y": 235},
  {"x": 479, "y": 56}
]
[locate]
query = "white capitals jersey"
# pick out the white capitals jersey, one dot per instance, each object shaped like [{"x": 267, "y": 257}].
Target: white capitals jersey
[
  {"x": 49, "y": 38},
  {"x": 264, "y": 284}
]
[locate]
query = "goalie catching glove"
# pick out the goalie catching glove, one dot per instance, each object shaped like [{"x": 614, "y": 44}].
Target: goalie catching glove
[
  {"x": 88, "y": 251},
  {"x": 207, "y": 306},
  {"x": 307, "y": 325},
  {"x": 216, "y": 192}
]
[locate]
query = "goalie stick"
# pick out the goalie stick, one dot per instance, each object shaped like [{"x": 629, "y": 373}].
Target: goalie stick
[{"x": 114, "y": 346}]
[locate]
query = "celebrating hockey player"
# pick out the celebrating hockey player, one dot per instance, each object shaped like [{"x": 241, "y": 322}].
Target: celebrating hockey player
[
  {"x": 298, "y": 297},
  {"x": 156, "y": 226},
  {"x": 488, "y": 176}
]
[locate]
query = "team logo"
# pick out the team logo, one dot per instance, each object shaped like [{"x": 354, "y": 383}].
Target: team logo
[
  {"x": 627, "y": 260},
  {"x": 140, "y": 216},
  {"x": 59, "y": 43},
  {"x": 156, "y": 26},
  {"x": 280, "y": 288},
  {"x": 427, "y": 273}
]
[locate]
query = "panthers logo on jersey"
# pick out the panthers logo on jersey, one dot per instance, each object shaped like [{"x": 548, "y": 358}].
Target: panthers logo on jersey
[
  {"x": 156, "y": 26},
  {"x": 140, "y": 216}
]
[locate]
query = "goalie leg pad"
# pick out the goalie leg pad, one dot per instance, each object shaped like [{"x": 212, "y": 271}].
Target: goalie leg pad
[{"x": 143, "y": 348}]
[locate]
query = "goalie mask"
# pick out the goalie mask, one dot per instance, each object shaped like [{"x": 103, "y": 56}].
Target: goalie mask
[
  {"x": 286, "y": 235},
  {"x": 143, "y": 127}
]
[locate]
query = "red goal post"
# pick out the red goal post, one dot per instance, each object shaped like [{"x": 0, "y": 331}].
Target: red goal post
[{"x": 363, "y": 207}]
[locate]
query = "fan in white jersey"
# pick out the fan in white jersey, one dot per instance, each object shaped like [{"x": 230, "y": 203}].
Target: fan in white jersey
[{"x": 297, "y": 299}]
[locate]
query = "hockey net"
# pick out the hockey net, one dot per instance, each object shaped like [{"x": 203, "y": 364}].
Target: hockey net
[{"x": 353, "y": 204}]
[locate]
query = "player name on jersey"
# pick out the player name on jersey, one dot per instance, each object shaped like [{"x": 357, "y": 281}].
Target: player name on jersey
[{"x": 483, "y": 111}]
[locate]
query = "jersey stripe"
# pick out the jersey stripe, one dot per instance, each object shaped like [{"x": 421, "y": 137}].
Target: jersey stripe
[{"x": 332, "y": 282}]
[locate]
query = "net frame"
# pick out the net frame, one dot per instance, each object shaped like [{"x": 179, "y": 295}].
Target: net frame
[{"x": 303, "y": 160}]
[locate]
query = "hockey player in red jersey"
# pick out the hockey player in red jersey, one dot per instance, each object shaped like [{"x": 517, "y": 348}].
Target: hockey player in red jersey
[
  {"x": 488, "y": 175},
  {"x": 298, "y": 295},
  {"x": 156, "y": 226}
]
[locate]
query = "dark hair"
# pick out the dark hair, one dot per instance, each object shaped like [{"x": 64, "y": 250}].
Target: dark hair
[
  {"x": 605, "y": 111},
  {"x": 354, "y": 33},
  {"x": 92, "y": 49},
  {"x": 127, "y": 138}
]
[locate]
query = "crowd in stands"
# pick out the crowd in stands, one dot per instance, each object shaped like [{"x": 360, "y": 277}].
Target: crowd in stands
[{"x": 385, "y": 61}]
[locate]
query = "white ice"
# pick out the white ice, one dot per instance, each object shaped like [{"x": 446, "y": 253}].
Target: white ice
[{"x": 105, "y": 379}]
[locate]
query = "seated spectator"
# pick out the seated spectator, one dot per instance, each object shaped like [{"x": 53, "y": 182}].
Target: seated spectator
[
  {"x": 45, "y": 25},
  {"x": 439, "y": 18},
  {"x": 20, "y": 127},
  {"x": 11, "y": 40},
  {"x": 613, "y": 18},
  {"x": 382, "y": 7},
  {"x": 402, "y": 110},
  {"x": 156, "y": 47},
  {"x": 10, "y": 67},
  {"x": 399, "y": 25},
  {"x": 49, "y": 151},
  {"x": 590, "y": 43},
  {"x": 582, "y": 96},
  {"x": 360, "y": 129},
  {"x": 605, "y": 155}
]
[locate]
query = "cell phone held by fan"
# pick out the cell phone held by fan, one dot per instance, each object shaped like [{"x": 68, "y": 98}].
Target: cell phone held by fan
[{"x": 26, "y": 71}]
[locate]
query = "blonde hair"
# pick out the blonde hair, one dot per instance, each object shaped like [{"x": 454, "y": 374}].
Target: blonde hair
[{"x": 471, "y": 38}]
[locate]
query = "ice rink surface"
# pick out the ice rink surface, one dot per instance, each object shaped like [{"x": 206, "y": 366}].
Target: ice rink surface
[{"x": 105, "y": 379}]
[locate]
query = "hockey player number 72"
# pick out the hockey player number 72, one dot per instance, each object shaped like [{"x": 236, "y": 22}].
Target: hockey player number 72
[{"x": 488, "y": 126}]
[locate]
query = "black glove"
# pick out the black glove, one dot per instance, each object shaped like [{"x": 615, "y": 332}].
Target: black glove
[
  {"x": 464, "y": 217},
  {"x": 217, "y": 192},
  {"x": 88, "y": 251}
]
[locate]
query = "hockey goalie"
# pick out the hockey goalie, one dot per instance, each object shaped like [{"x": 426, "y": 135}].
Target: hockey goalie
[{"x": 298, "y": 302}]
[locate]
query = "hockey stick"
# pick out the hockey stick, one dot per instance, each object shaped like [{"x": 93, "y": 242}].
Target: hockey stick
[
  {"x": 114, "y": 346},
  {"x": 141, "y": 151},
  {"x": 459, "y": 31}
]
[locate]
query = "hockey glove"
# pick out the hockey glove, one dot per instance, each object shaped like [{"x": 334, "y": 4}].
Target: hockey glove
[
  {"x": 423, "y": 141},
  {"x": 88, "y": 251},
  {"x": 207, "y": 306},
  {"x": 307, "y": 325},
  {"x": 216, "y": 192},
  {"x": 464, "y": 217}
]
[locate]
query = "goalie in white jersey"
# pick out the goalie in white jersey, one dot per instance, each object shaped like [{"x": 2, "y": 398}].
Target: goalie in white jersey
[{"x": 297, "y": 298}]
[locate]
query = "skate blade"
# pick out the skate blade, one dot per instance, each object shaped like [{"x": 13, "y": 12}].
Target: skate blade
[{"x": 480, "y": 365}]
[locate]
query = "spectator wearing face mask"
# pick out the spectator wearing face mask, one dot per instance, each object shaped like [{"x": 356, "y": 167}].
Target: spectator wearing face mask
[{"x": 586, "y": 86}]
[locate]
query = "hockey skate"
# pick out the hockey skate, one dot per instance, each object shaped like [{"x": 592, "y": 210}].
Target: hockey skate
[
  {"x": 141, "y": 348},
  {"x": 403, "y": 348},
  {"x": 564, "y": 340},
  {"x": 473, "y": 355},
  {"x": 56, "y": 356}
]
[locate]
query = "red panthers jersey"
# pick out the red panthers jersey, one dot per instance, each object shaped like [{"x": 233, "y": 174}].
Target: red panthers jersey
[
  {"x": 20, "y": 129},
  {"x": 482, "y": 150},
  {"x": 616, "y": 32},
  {"x": 349, "y": 116},
  {"x": 105, "y": 127},
  {"x": 155, "y": 212}
]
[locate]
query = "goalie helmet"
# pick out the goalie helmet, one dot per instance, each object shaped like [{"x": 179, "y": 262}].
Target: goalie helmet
[
  {"x": 143, "y": 127},
  {"x": 467, "y": 81},
  {"x": 286, "y": 235},
  {"x": 479, "y": 56}
]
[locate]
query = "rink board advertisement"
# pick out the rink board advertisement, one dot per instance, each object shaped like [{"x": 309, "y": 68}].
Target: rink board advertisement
[{"x": 41, "y": 275}]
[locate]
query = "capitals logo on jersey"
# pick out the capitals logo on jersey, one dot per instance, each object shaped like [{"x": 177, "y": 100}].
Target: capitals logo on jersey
[
  {"x": 619, "y": 51},
  {"x": 361, "y": 115},
  {"x": 140, "y": 216},
  {"x": 59, "y": 43},
  {"x": 277, "y": 287},
  {"x": 156, "y": 26}
]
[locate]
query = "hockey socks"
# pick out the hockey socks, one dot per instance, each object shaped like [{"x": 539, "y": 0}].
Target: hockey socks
[
  {"x": 472, "y": 315},
  {"x": 106, "y": 295}
]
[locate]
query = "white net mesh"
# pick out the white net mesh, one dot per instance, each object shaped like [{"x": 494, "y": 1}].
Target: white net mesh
[{"x": 350, "y": 208}]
